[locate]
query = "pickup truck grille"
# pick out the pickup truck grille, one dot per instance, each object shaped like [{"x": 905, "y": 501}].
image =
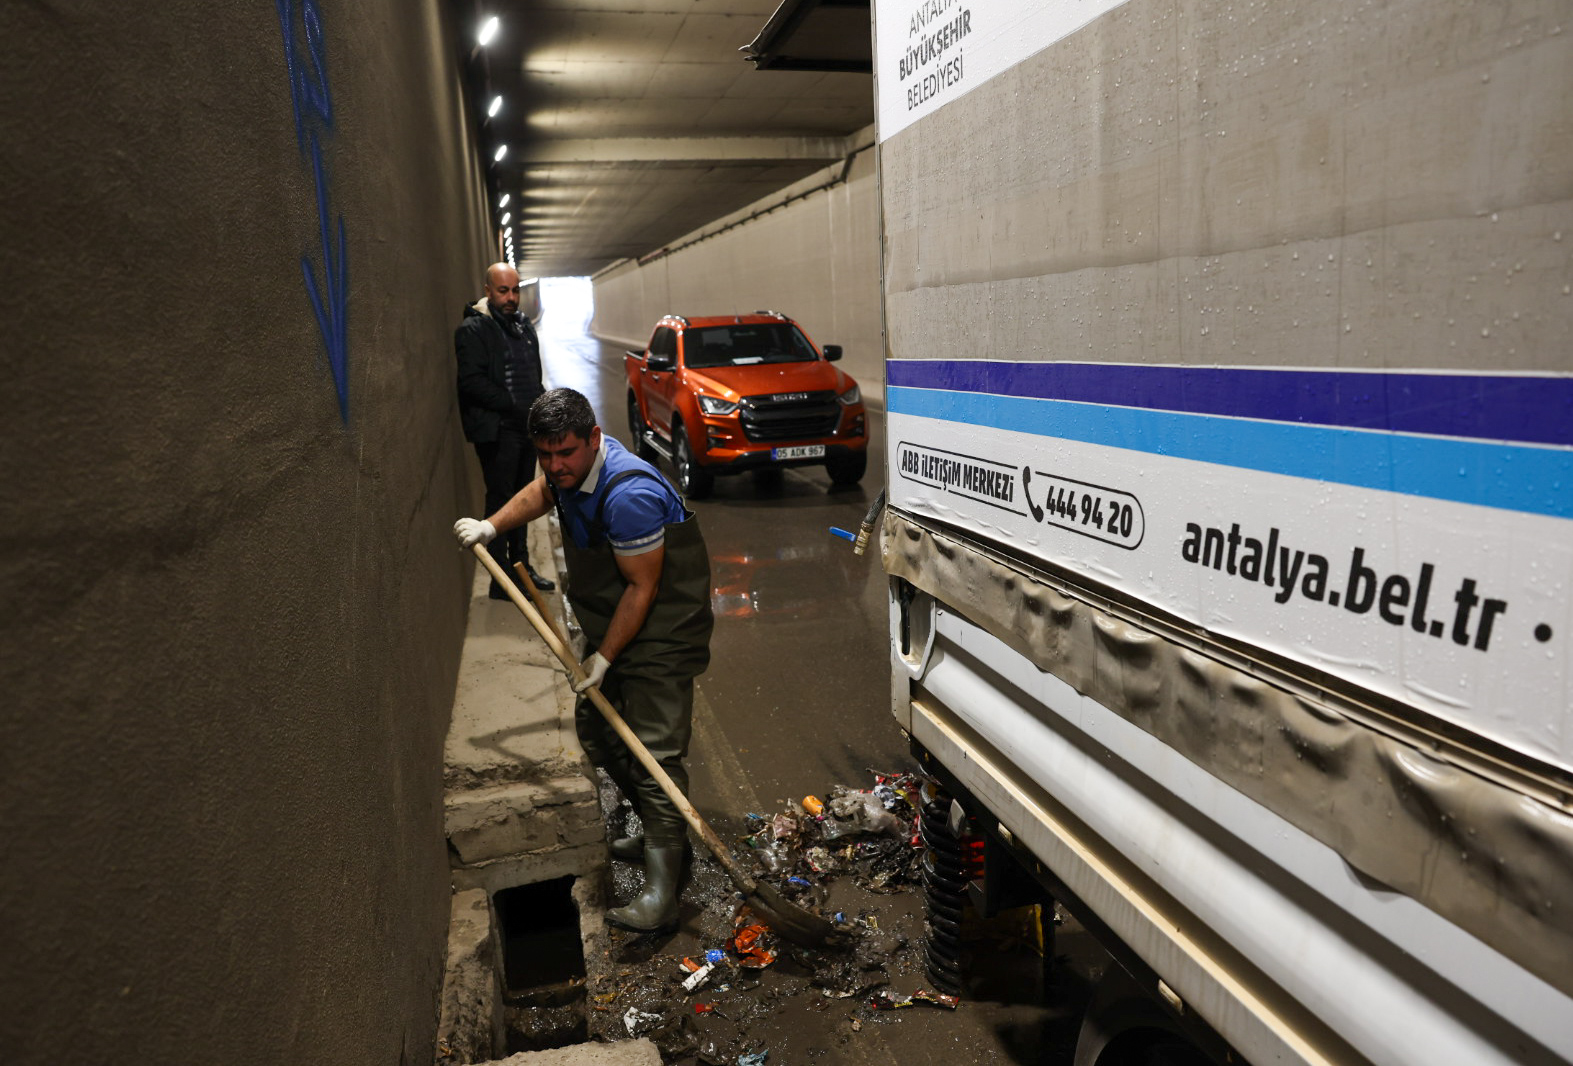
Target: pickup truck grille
[{"x": 790, "y": 416}]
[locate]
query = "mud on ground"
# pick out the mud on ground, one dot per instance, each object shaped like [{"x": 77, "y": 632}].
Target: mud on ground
[{"x": 822, "y": 1007}]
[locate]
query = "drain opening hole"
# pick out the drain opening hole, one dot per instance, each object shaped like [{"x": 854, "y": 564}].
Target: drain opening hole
[
  {"x": 540, "y": 936},
  {"x": 543, "y": 965}
]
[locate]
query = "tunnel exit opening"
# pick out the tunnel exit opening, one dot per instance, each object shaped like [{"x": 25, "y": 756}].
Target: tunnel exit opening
[{"x": 543, "y": 972}]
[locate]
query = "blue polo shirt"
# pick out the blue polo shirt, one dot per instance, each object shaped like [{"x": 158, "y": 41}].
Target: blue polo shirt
[{"x": 636, "y": 513}]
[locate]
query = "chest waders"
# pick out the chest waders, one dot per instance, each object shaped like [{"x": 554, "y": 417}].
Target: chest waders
[{"x": 651, "y": 682}]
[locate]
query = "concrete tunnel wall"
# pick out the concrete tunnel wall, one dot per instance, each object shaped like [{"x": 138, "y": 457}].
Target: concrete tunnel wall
[
  {"x": 815, "y": 259},
  {"x": 234, "y": 608}
]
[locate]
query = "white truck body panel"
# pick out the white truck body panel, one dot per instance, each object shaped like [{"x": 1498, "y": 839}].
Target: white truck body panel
[
  {"x": 1334, "y": 546},
  {"x": 1229, "y": 396}
]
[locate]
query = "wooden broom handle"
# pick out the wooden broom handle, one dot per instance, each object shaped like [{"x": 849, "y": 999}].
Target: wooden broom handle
[{"x": 539, "y": 599}]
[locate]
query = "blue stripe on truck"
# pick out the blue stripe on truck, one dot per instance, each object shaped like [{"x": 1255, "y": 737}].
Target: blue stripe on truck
[
  {"x": 1512, "y": 477},
  {"x": 1527, "y": 409}
]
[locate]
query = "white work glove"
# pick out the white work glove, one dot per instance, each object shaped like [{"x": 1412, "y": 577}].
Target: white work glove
[
  {"x": 473, "y": 531},
  {"x": 594, "y": 670}
]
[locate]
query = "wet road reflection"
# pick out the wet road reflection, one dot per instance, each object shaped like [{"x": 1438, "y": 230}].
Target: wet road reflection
[{"x": 574, "y": 359}]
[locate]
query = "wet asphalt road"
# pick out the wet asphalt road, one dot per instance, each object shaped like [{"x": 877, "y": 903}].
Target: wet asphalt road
[
  {"x": 797, "y": 700},
  {"x": 798, "y": 687}
]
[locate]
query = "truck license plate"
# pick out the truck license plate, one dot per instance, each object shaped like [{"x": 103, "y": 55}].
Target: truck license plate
[{"x": 801, "y": 451}]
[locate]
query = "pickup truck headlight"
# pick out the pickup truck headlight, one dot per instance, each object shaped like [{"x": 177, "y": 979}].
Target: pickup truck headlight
[
  {"x": 714, "y": 405},
  {"x": 850, "y": 397}
]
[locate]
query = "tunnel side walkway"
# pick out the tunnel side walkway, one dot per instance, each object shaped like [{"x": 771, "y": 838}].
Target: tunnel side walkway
[
  {"x": 520, "y": 797},
  {"x": 521, "y": 807}
]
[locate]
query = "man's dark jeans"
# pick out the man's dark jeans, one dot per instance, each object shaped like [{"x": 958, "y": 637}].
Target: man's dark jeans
[{"x": 507, "y": 465}]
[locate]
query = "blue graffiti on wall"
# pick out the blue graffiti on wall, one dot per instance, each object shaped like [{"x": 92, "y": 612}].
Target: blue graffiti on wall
[{"x": 305, "y": 57}]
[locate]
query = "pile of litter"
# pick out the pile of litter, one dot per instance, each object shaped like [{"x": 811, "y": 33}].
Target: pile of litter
[
  {"x": 718, "y": 1006},
  {"x": 871, "y": 835}
]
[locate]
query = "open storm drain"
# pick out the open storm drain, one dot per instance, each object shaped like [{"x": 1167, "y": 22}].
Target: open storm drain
[{"x": 543, "y": 966}]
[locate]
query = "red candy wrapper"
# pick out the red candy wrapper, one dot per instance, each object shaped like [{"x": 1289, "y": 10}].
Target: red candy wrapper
[{"x": 750, "y": 949}]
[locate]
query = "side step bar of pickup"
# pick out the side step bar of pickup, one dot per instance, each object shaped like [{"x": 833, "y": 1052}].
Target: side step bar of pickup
[{"x": 658, "y": 444}]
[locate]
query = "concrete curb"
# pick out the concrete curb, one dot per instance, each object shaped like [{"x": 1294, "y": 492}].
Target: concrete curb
[
  {"x": 639, "y": 1052},
  {"x": 521, "y": 807},
  {"x": 511, "y": 819},
  {"x": 470, "y": 1022}
]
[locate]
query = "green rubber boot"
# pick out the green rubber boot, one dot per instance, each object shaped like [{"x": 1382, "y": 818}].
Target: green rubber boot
[
  {"x": 655, "y": 908},
  {"x": 629, "y": 849}
]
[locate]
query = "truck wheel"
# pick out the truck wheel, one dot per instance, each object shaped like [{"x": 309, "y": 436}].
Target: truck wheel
[
  {"x": 638, "y": 431},
  {"x": 693, "y": 480},
  {"x": 847, "y": 469}
]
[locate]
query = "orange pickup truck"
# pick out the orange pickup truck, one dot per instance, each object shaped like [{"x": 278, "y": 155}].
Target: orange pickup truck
[{"x": 729, "y": 393}]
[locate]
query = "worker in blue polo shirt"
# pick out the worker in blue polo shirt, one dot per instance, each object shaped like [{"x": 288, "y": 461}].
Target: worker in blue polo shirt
[{"x": 639, "y": 582}]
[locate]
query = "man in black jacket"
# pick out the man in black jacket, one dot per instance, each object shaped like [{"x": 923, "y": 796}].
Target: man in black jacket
[{"x": 499, "y": 378}]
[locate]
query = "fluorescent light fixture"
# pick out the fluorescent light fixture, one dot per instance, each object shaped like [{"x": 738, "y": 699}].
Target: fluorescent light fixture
[
  {"x": 491, "y": 112},
  {"x": 488, "y": 30},
  {"x": 504, "y": 201},
  {"x": 502, "y": 150},
  {"x": 506, "y": 215},
  {"x": 507, "y": 232}
]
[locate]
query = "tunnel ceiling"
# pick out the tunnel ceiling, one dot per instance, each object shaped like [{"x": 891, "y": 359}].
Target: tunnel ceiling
[{"x": 629, "y": 123}]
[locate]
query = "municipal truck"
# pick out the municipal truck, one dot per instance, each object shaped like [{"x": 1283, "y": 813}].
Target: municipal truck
[{"x": 1229, "y": 536}]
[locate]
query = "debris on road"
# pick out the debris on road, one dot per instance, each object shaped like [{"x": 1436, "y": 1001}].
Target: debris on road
[
  {"x": 749, "y": 943},
  {"x": 938, "y": 999},
  {"x": 891, "y": 1001},
  {"x": 869, "y": 834},
  {"x": 860, "y": 812},
  {"x": 695, "y": 980},
  {"x": 639, "y": 1022},
  {"x": 887, "y": 1001},
  {"x": 843, "y": 858}
]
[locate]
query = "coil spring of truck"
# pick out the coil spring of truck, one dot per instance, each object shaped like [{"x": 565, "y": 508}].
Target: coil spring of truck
[{"x": 949, "y": 862}]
